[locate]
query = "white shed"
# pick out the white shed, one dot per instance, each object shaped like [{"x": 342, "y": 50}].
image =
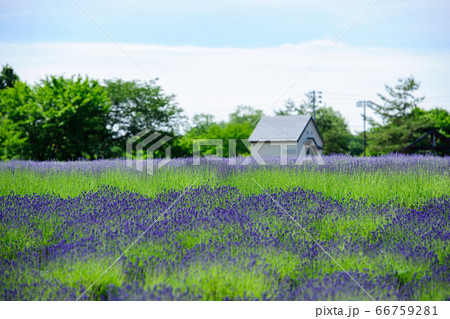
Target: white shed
[{"x": 285, "y": 135}]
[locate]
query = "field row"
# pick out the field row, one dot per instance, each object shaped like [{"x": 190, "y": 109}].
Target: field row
[
  {"x": 221, "y": 243},
  {"x": 408, "y": 180}
]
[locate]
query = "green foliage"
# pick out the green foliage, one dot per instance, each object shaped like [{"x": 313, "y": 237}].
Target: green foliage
[
  {"x": 138, "y": 106},
  {"x": 394, "y": 138},
  {"x": 398, "y": 104},
  {"x": 70, "y": 118},
  {"x": 12, "y": 142},
  {"x": 245, "y": 114},
  {"x": 434, "y": 118},
  {"x": 334, "y": 130},
  {"x": 411, "y": 187},
  {"x": 239, "y": 127},
  {"x": 20, "y": 117},
  {"x": 290, "y": 108},
  {"x": 202, "y": 123},
  {"x": 7, "y": 77},
  {"x": 402, "y": 121},
  {"x": 356, "y": 144},
  {"x": 74, "y": 113},
  {"x": 58, "y": 119}
]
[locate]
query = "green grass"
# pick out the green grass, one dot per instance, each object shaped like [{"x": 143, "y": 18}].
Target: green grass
[
  {"x": 217, "y": 281},
  {"x": 72, "y": 183},
  {"x": 213, "y": 281},
  {"x": 84, "y": 272},
  {"x": 331, "y": 227},
  {"x": 36, "y": 235},
  {"x": 411, "y": 187},
  {"x": 221, "y": 279}
]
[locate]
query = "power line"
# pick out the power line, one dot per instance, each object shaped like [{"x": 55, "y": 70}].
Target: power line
[
  {"x": 313, "y": 96},
  {"x": 364, "y": 104}
]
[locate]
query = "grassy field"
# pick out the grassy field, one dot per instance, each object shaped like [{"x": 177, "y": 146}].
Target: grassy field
[
  {"x": 409, "y": 186},
  {"x": 215, "y": 232}
]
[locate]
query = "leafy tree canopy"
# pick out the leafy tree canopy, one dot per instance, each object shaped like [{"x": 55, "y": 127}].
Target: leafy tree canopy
[
  {"x": 398, "y": 104},
  {"x": 60, "y": 118},
  {"x": 238, "y": 128},
  {"x": 136, "y": 106},
  {"x": 402, "y": 120},
  {"x": 7, "y": 77}
]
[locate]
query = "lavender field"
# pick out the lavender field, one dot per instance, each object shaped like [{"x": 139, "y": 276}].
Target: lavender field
[{"x": 352, "y": 229}]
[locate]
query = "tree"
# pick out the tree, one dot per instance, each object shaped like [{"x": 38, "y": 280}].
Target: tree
[
  {"x": 57, "y": 119},
  {"x": 239, "y": 127},
  {"x": 12, "y": 141},
  {"x": 334, "y": 130},
  {"x": 245, "y": 114},
  {"x": 398, "y": 104},
  {"x": 205, "y": 127},
  {"x": 203, "y": 122},
  {"x": 435, "y": 118},
  {"x": 7, "y": 77},
  {"x": 356, "y": 144},
  {"x": 331, "y": 124},
  {"x": 136, "y": 106},
  {"x": 19, "y": 115},
  {"x": 424, "y": 121},
  {"x": 74, "y": 119},
  {"x": 290, "y": 108},
  {"x": 400, "y": 117},
  {"x": 69, "y": 118}
]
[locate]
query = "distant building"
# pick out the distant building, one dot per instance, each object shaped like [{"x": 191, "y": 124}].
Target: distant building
[
  {"x": 285, "y": 135},
  {"x": 431, "y": 142}
]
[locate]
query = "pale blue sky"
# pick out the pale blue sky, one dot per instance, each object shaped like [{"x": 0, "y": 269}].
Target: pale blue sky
[
  {"x": 232, "y": 23},
  {"x": 214, "y": 55}
]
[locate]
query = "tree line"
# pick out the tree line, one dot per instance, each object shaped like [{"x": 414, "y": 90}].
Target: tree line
[
  {"x": 398, "y": 121},
  {"x": 71, "y": 118}
]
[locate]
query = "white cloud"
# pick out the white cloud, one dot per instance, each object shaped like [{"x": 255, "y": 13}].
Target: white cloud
[{"x": 216, "y": 80}]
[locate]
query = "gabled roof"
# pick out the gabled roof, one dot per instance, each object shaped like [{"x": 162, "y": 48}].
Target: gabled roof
[
  {"x": 283, "y": 128},
  {"x": 414, "y": 146}
]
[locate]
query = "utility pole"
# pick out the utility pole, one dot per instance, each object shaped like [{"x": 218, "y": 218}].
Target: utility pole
[
  {"x": 364, "y": 104},
  {"x": 312, "y": 95}
]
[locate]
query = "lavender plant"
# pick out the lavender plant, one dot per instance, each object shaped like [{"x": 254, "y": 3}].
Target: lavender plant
[{"x": 222, "y": 243}]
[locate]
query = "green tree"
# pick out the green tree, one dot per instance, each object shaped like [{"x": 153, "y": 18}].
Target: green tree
[
  {"x": 7, "y": 77},
  {"x": 136, "y": 106},
  {"x": 423, "y": 121},
  {"x": 238, "y": 128},
  {"x": 205, "y": 127},
  {"x": 245, "y": 114},
  {"x": 398, "y": 104},
  {"x": 334, "y": 130},
  {"x": 400, "y": 121},
  {"x": 74, "y": 119},
  {"x": 356, "y": 144},
  {"x": 202, "y": 123},
  {"x": 435, "y": 118},
  {"x": 291, "y": 108},
  {"x": 20, "y": 117}
]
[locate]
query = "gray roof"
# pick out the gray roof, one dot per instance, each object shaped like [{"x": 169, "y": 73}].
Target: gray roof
[{"x": 287, "y": 128}]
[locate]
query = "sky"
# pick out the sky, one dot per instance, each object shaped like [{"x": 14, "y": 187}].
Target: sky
[{"x": 215, "y": 55}]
